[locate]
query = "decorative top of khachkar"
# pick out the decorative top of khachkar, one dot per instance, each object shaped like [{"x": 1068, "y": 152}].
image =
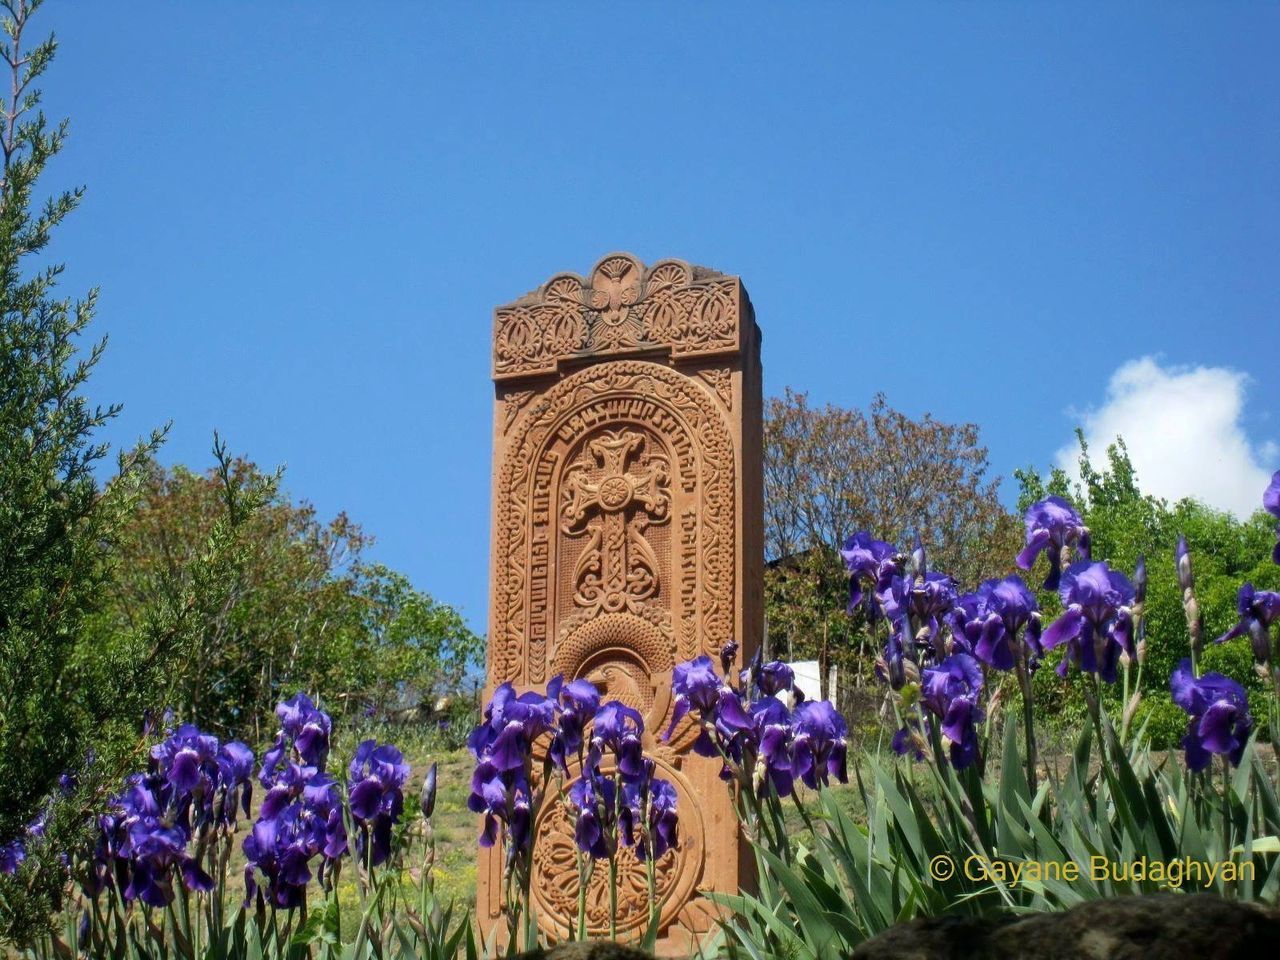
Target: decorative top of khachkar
[
  {"x": 627, "y": 520},
  {"x": 621, "y": 307}
]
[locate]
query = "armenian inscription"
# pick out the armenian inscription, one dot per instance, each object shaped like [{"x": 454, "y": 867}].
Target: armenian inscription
[{"x": 626, "y": 539}]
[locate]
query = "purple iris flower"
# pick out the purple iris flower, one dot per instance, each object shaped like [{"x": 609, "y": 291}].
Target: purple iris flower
[
  {"x": 193, "y": 787},
  {"x": 697, "y": 686},
  {"x": 1011, "y": 600},
  {"x": 819, "y": 744},
  {"x": 593, "y": 798},
  {"x": 503, "y": 747},
  {"x": 286, "y": 787},
  {"x": 1258, "y": 610},
  {"x": 868, "y": 561},
  {"x": 520, "y": 821},
  {"x": 11, "y": 856},
  {"x": 511, "y": 725},
  {"x": 986, "y": 622},
  {"x": 980, "y": 632},
  {"x": 909, "y": 741},
  {"x": 307, "y": 727},
  {"x": 578, "y": 700},
  {"x": 1271, "y": 503},
  {"x": 891, "y": 666},
  {"x": 377, "y": 776},
  {"x": 490, "y": 796},
  {"x": 1097, "y": 624},
  {"x": 732, "y": 727},
  {"x": 1052, "y": 525},
  {"x": 188, "y": 759},
  {"x": 322, "y": 801},
  {"x": 662, "y": 823},
  {"x": 151, "y": 846},
  {"x": 282, "y": 846},
  {"x": 773, "y": 744},
  {"x": 618, "y": 729},
  {"x": 301, "y": 815},
  {"x": 235, "y": 783},
  {"x": 951, "y": 691},
  {"x": 1032, "y": 638},
  {"x": 1219, "y": 715},
  {"x": 775, "y": 677},
  {"x": 726, "y": 728},
  {"x": 919, "y": 603}
]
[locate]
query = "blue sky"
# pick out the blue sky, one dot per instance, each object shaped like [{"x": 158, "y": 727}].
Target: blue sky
[{"x": 302, "y": 214}]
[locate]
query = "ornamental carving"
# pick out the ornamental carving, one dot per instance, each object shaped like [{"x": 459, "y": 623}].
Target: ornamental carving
[
  {"x": 626, "y": 539},
  {"x": 556, "y": 864},
  {"x": 620, "y": 307},
  {"x": 626, "y": 444},
  {"x": 613, "y": 506}
]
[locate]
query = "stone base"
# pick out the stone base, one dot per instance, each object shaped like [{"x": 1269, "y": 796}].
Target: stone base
[
  {"x": 588, "y": 950},
  {"x": 1156, "y": 927}
]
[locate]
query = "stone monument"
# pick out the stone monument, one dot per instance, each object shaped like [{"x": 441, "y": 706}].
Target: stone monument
[{"x": 627, "y": 520}]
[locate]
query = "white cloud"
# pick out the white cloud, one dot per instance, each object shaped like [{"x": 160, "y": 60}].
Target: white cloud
[{"x": 1183, "y": 428}]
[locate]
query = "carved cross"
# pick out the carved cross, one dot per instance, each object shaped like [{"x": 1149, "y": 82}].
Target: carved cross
[{"x": 618, "y": 568}]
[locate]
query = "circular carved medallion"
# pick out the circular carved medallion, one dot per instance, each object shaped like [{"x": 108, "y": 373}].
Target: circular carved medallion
[{"x": 556, "y": 877}]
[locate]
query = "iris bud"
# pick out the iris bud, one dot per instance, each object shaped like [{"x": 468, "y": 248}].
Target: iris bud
[
  {"x": 1260, "y": 639},
  {"x": 728, "y": 654},
  {"x": 1131, "y": 708},
  {"x": 429, "y": 792},
  {"x": 1185, "y": 578},
  {"x": 897, "y": 673}
]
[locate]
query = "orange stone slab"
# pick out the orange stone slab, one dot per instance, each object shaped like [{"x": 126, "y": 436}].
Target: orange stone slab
[{"x": 627, "y": 525}]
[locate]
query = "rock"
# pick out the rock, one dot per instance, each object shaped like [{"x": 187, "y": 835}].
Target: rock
[
  {"x": 1157, "y": 927},
  {"x": 586, "y": 950}
]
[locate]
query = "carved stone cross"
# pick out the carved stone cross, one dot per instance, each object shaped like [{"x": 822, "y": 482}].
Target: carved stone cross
[
  {"x": 627, "y": 528},
  {"x": 617, "y": 569}
]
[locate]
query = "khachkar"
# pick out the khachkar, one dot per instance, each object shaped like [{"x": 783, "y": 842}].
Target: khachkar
[{"x": 627, "y": 520}]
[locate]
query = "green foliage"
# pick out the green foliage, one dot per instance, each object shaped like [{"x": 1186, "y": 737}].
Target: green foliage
[
  {"x": 57, "y": 525},
  {"x": 299, "y": 608},
  {"x": 849, "y": 880},
  {"x": 1125, "y": 523},
  {"x": 1164, "y": 721}
]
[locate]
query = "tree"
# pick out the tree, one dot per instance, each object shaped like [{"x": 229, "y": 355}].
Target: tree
[
  {"x": 303, "y": 609},
  {"x": 831, "y": 471},
  {"x": 56, "y": 523},
  {"x": 1124, "y": 523}
]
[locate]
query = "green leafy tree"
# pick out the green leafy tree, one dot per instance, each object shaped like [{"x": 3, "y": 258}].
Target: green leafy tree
[
  {"x": 301, "y": 609},
  {"x": 1124, "y": 523},
  {"x": 57, "y": 523}
]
